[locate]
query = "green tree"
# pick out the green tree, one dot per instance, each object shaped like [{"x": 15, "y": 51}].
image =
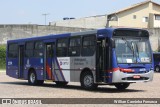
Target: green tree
[{"x": 2, "y": 56}]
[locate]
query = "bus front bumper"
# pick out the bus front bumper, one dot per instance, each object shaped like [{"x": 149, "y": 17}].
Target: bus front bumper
[{"x": 121, "y": 77}]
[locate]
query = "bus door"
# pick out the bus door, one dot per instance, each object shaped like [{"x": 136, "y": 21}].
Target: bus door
[
  {"x": 21, "y": 61},
  {"x": 49, "y": 61},
  {"x": 101, "y": 60}
]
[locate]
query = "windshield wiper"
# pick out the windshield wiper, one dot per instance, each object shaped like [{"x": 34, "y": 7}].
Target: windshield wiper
[
  {"x": 128, "y": 45},
  {"x": 137, "y": 52}
]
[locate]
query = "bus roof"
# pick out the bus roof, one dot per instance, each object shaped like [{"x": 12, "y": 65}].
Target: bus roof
[{"x": 108, "y": 31}]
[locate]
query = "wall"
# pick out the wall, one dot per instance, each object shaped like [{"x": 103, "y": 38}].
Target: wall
[
  {"x": 155, "y": 38},
  {"x": 87, "y": 22},
  {"x": 9, "y": 32},
  {"x": 126, "y": 17}
]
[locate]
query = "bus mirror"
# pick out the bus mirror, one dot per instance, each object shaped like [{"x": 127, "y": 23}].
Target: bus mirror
[{"x": 113, "y": 43}]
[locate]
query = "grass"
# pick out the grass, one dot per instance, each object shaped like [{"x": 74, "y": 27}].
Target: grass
[
  {"x": 2, "y": 63},
  {"x": 2, "y": 70},
  {"x": 2, "y": 66}
]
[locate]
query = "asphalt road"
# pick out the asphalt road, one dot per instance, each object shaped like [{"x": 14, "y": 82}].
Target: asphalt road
[{"x": 14, "y": 88}]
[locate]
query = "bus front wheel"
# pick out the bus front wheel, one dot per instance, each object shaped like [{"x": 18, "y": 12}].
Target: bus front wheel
[
  {"x": 32, "y": 79},
  {"x": 87, "y": 81},
  {"x": 122, "y": 86}
]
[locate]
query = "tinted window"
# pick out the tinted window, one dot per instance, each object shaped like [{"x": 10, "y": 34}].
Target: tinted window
[
  {"x": 13, "y": 50},
  {"x": 38, "y": 51},
  {"x": 29, "y": 49},
  {"x": 75, "y": 46},
  {"x": 156, "y": 57},
  {"x": 29, "y": 45},
  {"x": 88, "y": 48},
  {"x": 39, "y": 45},
  {"x": 62, "y": 47}
]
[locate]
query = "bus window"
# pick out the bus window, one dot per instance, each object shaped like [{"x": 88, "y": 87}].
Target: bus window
[
  {"x": 74, "y": 46},
  {"x": 62, "y": 45},
  {"x": 38, "y": 51},
  {"x": 29, "y": 49},
  {"x": 88, "y": 48},
  {"x": 49, "y": 52},
  {"x": 13, "y": 51}
]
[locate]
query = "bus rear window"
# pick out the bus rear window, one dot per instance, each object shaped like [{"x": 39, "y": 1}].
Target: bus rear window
[{"x": 13, "y": 50}]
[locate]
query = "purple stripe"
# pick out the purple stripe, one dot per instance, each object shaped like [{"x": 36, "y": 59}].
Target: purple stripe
[
  {"x": 60, "y": 70},
  {"x": 55, "y": 72}
]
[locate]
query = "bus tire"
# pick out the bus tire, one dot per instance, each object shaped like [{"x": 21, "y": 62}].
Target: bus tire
[
  {"x": 87, "y": 81},
  {"x": 61, "y": 83},
  {"x": 157, "y": 68},
  {"x": 122, "y": 86},
  {"x": 32, "y": 78}
]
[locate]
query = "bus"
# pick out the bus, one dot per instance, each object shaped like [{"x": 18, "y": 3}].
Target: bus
[
  {"x": 156, "y": 57},
  {"x": 110, "y": 56}
]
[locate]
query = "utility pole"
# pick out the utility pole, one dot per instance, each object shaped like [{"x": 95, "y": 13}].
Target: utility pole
[{"x": 45, "y": 17}]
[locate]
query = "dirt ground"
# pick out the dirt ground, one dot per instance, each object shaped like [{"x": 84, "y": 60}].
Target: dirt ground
[{"x": 14, "y": 88}]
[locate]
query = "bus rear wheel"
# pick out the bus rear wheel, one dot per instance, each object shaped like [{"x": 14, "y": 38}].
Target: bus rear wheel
[
  {"x": 87, "y": 81},
  {"x": 122, "y": 86}
]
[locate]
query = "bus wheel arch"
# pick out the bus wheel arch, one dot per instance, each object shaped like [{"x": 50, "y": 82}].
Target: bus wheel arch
[
  {"x": 32, "y": 77},
  {"x": 87, "y": 79}
]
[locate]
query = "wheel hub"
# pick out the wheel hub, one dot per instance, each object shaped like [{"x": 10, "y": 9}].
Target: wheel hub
[
  {"x": 32, "y": 77},
  {"x": 88, "y": 81}
]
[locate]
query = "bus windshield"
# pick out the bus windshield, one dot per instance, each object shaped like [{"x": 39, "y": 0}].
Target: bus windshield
[{"x": 133, "y": 50}]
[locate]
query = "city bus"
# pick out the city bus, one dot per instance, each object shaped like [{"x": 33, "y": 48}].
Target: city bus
[
  {"x": 110, "y": 56},
  {"x": 156, "y": 57}
]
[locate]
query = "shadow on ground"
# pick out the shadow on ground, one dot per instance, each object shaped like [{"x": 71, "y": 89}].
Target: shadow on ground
[{"x": 76, "y": 87}]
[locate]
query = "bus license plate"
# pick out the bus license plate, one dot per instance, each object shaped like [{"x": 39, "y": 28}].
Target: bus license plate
[{"x": 136, "y": 76}]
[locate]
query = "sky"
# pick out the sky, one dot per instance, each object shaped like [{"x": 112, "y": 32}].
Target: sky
[{"x": 30, "y": 11}]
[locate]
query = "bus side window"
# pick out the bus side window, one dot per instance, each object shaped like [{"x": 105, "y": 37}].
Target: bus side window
[
  {"x": 88, "y": 45},
  {"x": 75, "y": 46},
  {"x": 62, "y": 47},
  {"x": 38, "y": 51},
  {"x": 29, "y": 49},
  {"x": 13, "y": 50}
]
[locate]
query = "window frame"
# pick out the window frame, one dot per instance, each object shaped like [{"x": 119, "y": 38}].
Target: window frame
[
  {"x": 157, "y": 16},
  {"x": 30, "y": 50},
  {"x": 93, "y": 47},
  {"x": 37, "y": 51},
  {"x": 13, "y": 50},
  {"x": 74, "y": 47},
  {"x": 62, "y": 48},
  {"x": 145, "y": 19},
  {"x": 134, "y": 16}
]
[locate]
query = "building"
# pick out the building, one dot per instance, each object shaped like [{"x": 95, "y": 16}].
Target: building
[{"x": 142, "y": 15}]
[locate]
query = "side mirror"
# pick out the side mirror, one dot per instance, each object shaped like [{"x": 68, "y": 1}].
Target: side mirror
[{"x": 113, "y": 43}]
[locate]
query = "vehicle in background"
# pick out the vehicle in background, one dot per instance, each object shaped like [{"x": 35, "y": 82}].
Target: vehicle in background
[{"x": 156, "y": 58}]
